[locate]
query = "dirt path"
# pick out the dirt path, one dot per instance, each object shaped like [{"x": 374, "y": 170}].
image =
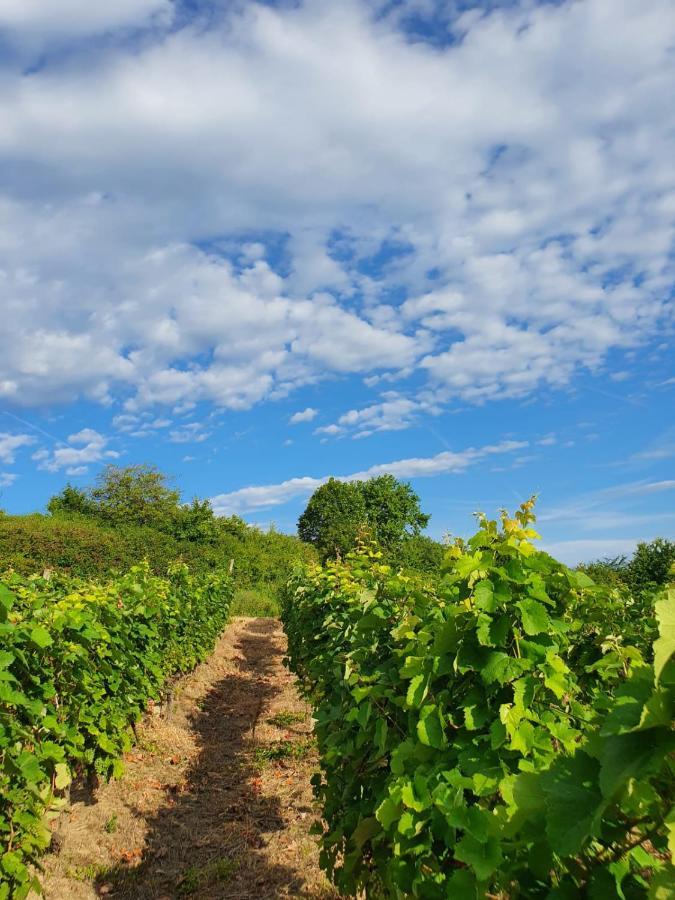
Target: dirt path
[{"x": 216, "y": 800}]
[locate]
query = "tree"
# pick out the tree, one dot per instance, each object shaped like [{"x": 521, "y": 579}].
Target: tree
[
  {"x": 420, "y": 553},
  {"x": 135, "y": 494},
  {"x": 651, "y": 563},
  {"x": 335, "y": 514},
  {"x": 393, "y": 510},
  {"x": 339, "y": 511},
  {"x": 196, "y": 522},
  {"x": 72, "y": 500}
]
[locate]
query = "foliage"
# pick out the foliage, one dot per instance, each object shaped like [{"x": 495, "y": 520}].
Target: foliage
[
  {"x": 651, "y": 564},
  {"x": 610, "y": 571},
  {"x": 86, "y": 547},
  {"x": 339, "y": 512},
  {"x": 333, "y": 518},
  {"x": 123, "y": 495},
  {"x": 82, "y": 547},
  {"x": 79, "y": 662},
  {"x": 72, "y": 500},
  {"x": 491, "y": 735},
  {"x": 645, "y": 571},
  {"x": 393, "y": 511},
  {"x": 419, "y": 553}
]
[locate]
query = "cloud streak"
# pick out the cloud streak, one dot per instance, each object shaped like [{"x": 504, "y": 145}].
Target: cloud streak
[{"x": 257, "y": 497}]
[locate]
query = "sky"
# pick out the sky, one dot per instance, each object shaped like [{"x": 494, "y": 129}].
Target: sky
[{"x": 261, "y": 244}]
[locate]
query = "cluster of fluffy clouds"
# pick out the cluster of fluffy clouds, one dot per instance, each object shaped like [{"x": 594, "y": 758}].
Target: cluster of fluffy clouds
[
  {"x": 81, "y": 449},
  {"x": 227, "y": 213}
]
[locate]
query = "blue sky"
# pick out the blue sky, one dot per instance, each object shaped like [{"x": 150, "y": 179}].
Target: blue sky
[{"x": 262, "y": 244}]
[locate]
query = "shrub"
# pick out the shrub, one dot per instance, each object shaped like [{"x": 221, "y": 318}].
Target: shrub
[{"x": 85, "y": 547}]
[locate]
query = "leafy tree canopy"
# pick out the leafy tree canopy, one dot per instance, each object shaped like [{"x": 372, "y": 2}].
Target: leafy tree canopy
[
  {"x": 651, "y": 563},
  {"x": 339, "y": 511},
  {"x": 647, "y": 569},
  {"x": 334, "y": 516},
  {"x": 139, "y": 495}
]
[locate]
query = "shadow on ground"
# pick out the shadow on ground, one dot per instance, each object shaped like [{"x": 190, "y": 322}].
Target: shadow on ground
[{"x": 208, "y": 839}]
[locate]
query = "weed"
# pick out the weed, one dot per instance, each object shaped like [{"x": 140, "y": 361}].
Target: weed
[
  {"x": 111, "y": 825},
  {"x": 286, "y": 718},
  {"x": 282, "y": 750},
  {"x": 197, "y": 877},
  {"x": 90, "y": 872}
]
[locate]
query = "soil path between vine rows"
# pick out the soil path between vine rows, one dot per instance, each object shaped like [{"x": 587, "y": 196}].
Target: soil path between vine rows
[{"x": 216, "y": 800}]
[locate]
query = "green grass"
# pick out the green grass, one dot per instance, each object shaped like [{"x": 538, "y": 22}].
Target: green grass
[
  {"x": 89, "y": 872},
  {"x": 251, "y": 602},
  {"x": 197, "y": 877},
  {"x": 111, "y": 825},
  {"x": 285, "y": 719},
  {"x": 282, "y": 750}
]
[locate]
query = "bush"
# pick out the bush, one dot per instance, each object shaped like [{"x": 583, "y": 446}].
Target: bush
[
  {"x": 85, "y": 547},
  {"x": 81, "y": 547},
  {"x": 490, "y": 735},
  {"x": 79, "y": 662},
  {"x": 419, "y": 553}
]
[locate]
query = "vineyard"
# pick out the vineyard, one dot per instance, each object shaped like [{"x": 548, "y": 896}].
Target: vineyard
[
  {"x": 501, "y": 727},
  {"x": 505, "y": 731},
  {"x": 79, "y": 663}
]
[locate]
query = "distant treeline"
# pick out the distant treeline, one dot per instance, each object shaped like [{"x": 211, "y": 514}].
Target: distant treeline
[{"x": 132, "y": 512}]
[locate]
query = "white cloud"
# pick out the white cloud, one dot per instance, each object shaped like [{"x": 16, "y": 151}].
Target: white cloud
[
  {"x": 7, "y": 479},
  {"x": 393, "y": 413},
  {"x": 535, "y": 182},
  {"x": 84, "y": 447},
  {"x": 263, "y": 496},
  {"x": 42, "y": 19},
  {"x": 10, "y": 443},
  {"x": 192, "y": 433},
  {"x": 306, "y": 415}
]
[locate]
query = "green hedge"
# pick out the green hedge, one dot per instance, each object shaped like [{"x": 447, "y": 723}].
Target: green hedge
[
  {"x": 78, "y": 664},
  {"x": 490, "y": 735},
  {"x": 83, "y": 547}
]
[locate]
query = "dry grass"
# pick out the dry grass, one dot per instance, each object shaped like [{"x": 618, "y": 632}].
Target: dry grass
[{"x": 216, "y": 800}]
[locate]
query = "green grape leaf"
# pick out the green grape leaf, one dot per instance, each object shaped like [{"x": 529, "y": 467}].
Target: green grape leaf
[
  {"x": 534, "y": 616},
  {"x": 573, "y": 801},
  {"x": 417, "y": 691},
  {"x": 483, "y": 856},
  {"x": 625, "y": 755},
  {"x": 430, "y": 729},
  {"x": 664, "y": 647},
  {"x": 388, "y": 812},
  {"x": 40, "y": 637}
]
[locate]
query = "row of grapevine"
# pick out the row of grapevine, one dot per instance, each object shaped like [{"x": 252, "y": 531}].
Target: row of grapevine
[
  {"x": 506, "y": 731},
  {"x": 78, "y": 664}
]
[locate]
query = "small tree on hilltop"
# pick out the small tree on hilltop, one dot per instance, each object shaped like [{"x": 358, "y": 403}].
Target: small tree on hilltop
[
  {"x": 339, "y": 511},
  {"x": 72, "y": 500},
  {"x": 135, "y": 494},
  {"x": 335, "y": 514},
  {"x": 393, "y": 510}
]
